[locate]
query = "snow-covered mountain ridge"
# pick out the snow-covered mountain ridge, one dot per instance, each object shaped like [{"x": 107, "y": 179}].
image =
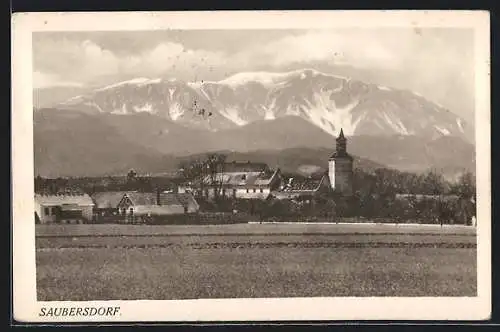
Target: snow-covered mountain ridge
[{"x": 328, "y": 101}]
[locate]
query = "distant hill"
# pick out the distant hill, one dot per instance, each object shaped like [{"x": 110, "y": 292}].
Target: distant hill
[
  {"x": 74, "y": 143},
  {"x": 294, "y": 160}
]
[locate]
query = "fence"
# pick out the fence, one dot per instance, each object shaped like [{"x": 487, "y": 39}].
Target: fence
[{"x": 204, "y": 218}]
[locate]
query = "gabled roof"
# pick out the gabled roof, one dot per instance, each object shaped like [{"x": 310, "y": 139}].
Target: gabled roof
[
  {"x": 166, "y": 199},
  {"x": 303, "y": 185},
  {"x": 138, "y": 198},
  {"x": 184, "y": 199},
  {"x": 169, "y": 199},
  {"x": 242, "y": 179},
  {"x": 51, "y": 200},
  {"x": 108, "y": 199}
]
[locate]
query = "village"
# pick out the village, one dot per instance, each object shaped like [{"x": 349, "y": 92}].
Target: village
[{"x": 214, "y": 191}]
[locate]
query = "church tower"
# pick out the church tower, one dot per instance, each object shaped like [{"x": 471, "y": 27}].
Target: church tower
[{"x": 340, "y": 168}]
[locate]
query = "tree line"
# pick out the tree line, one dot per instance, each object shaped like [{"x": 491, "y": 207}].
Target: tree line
[
  {"x": 384, "y": 194},
  {"x": 388, "y": 194}
]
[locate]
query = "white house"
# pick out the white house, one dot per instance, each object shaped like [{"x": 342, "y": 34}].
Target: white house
[{"x": 63, "y": 208}]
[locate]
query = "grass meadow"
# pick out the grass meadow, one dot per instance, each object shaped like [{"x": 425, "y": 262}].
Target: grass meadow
[{"x": 115, "y": 262}]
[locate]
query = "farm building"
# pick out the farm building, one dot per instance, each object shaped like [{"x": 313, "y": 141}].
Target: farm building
[
  {"x": 63, "y": 208},
  {"x": 160, "y": 204},
  {"x": 241, "y": 180},
  {"x": 309, "y": 187},
  {"x": 106, "y": 203},
  {"x": 118, "y": 204}
]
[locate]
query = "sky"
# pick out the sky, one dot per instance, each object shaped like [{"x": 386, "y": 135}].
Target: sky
[{"x": 434, "y": 62}]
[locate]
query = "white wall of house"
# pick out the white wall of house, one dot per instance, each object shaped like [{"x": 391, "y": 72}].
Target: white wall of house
[
  {"x": 240, "y": 193},
  {"x": 87, "y": 211},
  {"x": 45, "y": 213},
  {"x": 252, "y": 193}
]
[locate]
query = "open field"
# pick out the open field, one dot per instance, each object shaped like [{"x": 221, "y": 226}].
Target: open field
[
  {"x": 105, "y": 262},
  {"x": 281, "y": 229}
]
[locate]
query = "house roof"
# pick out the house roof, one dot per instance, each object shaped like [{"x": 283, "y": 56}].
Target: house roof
[
  {"x": 139, "y": 198},
  {"x": 166, "y": 199},
  {"x": 187, "y": 199},
  {"x": 243, "y": 179},
  {"x": 183, "y": 199},
  {"x": 108, "y": 199},
  {"x": 71, "y": 207},
  {"x": 169, "y": 199},
  {"x": 303, "y": 185},
  {"x": 78, "y": 199}
]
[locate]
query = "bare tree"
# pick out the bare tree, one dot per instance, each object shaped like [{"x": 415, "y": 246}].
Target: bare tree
[
  {"x": 209, "y": 172},
  {"x": 215, "y": 166}
]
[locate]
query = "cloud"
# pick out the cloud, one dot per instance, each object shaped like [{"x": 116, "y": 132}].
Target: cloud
[
  {"x": 88, "y": 62},
  {"x": 321, "y": 46},
  {"x": 398, "y": 49},
  {"x": 173, "y": 56}
]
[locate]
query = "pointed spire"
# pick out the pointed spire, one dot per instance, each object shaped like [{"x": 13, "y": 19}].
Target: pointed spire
[{"x": 341, "y": 135}]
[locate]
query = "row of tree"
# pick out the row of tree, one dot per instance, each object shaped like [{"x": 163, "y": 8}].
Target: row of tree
[
  {"x": 384, "y": 193},
  {"x": 448, "y": 210},
  {"x": 387, "y": 182},
  {"x": 376, "y": 194},
  {"x": 100, "y": 184}
]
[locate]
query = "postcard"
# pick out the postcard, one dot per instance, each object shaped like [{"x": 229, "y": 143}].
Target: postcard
[{"x": 243, "y": 166}]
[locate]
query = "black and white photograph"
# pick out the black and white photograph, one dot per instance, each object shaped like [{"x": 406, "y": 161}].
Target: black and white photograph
[{"x": 257, "y": 157}]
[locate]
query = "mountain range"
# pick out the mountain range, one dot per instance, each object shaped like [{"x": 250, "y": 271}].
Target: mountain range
[
  {"x": 150, "y": 124},
  {"x": 329, "y": 102}
]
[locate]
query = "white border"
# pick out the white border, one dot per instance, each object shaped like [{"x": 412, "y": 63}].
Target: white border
[{"x": 26, "y": 307}]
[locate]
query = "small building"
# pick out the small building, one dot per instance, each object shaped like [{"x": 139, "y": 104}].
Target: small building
[
  {"x": 63, "y": 208},
  {"x": 106, "y": 203},
  {"x": 295, "y": 188},
  {"x": 140, "y": 204}
]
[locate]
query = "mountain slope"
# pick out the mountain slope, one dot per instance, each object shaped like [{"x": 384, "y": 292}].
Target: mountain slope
[
  {"x": 327, "y": 101},
  {"x": 67, "y": 143},
  {"x": 72, "y": 143}
]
